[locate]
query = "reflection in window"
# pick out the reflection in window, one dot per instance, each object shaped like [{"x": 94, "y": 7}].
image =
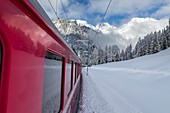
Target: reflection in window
[
  {"x": 69, "y": 74},
  {"x": 52, "y": 83}
]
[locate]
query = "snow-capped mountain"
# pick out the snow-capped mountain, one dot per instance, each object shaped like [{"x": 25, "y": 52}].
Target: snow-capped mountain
[
  {"x": 108, "y": 34},
  {"x": 135, "y": 28},
  {"x": 82, "y": 36}
]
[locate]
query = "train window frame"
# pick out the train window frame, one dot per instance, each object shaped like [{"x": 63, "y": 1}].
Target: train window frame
[
  {"x": 1, "y": 57},
  {"x": 78, "y": 70},
  {"x": 72, "y": 72},
  {"x": 75, "y": 73},
  {"x": 59, "y": 59},
  {"x": 69, "y": 76}
]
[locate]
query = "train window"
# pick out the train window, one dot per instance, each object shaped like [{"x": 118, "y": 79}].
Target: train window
[
  {"x": 52, "y": 83},
  {"x": 0, "y": 59},
  {"x": 69, "y": 74}
]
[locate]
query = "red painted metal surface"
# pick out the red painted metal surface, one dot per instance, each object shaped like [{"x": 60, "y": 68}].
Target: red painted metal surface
[{"x": 26, "y": 37}]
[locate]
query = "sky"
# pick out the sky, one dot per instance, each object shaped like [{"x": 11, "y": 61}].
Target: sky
[{"x": 119, "y": 12}]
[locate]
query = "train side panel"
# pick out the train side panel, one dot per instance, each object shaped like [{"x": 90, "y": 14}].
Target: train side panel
[{"x": 25, "y": 44}]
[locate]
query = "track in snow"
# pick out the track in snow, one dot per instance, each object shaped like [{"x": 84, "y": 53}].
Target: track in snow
[{"x": 91, "y": 100}]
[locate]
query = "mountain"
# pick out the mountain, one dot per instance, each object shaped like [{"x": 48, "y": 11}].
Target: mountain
[
  {"x": 82, "y": 36},
  {"x": 108, "y": 34}
]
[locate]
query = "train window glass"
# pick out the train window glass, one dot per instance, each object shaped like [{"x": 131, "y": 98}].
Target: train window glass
[
  {"x": 0, "y": 60},
  {"x": 69, "y": 74},
  {"x": 52, "y": 83}
]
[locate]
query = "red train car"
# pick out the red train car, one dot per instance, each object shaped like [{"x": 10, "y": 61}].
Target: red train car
[{"x": 39, "y": 73}]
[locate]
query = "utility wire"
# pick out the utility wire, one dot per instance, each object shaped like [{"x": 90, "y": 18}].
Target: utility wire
[
  {"x": 103, "y": 18},
  {"x": 98, "y": 29},
  {"x": 105, "y": 13},
  {"x": 64, "y": 9},
  {"x": 53, "y": 8}
]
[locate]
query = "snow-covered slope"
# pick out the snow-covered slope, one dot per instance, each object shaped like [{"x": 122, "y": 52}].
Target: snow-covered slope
[
  {"x": 156, "y": 62},
  {"x": 141, "y": 85}
]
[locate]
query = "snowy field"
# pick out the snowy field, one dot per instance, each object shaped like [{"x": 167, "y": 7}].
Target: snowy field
[{"x": 141, "y": 85}]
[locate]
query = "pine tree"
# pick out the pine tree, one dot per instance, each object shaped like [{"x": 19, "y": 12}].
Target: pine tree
[
  {"x": 101, "y": 56},
  {"x": 115, "y": 53},
  {"x": 122, "y": 55},
  {"x": 106, "y": 53}
]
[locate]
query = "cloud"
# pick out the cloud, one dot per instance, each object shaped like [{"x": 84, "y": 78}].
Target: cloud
[
  {"x": 129, "y": 33},
  {"x": 163, "y": 12},
  {"x": 121, "y": 7},
  {"x": 131, "y": 8},
  {"x": 140, "y": 27},
  {"x": 77, "y": 11},
  {"x": 92, "y": 10}
]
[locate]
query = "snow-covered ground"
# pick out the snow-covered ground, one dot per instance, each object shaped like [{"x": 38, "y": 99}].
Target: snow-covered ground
[{"x": 141, "y": 85}]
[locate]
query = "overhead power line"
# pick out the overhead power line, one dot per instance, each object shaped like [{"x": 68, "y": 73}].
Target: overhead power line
[
  {"x": 97, "y": 30},
  {"x": 64, "y": 9},
  {"x": 103, "y": 17},
  {"x": 105, "y": 13},
  {"x": 53, "y": 8}
]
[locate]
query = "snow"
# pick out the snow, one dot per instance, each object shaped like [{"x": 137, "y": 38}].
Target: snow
[
  {"x": 93, "y": 102},
  {"x": 84, "y": 23},
  {"x": 141, "y": 85}
]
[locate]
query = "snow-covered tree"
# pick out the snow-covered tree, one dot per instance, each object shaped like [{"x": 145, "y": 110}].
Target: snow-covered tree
[
  {"x": 128, "y": 52},
  {"x": 115, "y": 53},
  {"x": 109, "y": 54},
  {"x": 94, "y": 56},
  {"x": 122, "y": 55},
  {"x": 101, "y": 56},
  {"x": 106, "y": 53}
]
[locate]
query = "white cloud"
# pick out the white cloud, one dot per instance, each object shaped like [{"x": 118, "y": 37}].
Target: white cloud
[
  {"x": 126, "y": 34},
  {"x": 130, "y": 32}
]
